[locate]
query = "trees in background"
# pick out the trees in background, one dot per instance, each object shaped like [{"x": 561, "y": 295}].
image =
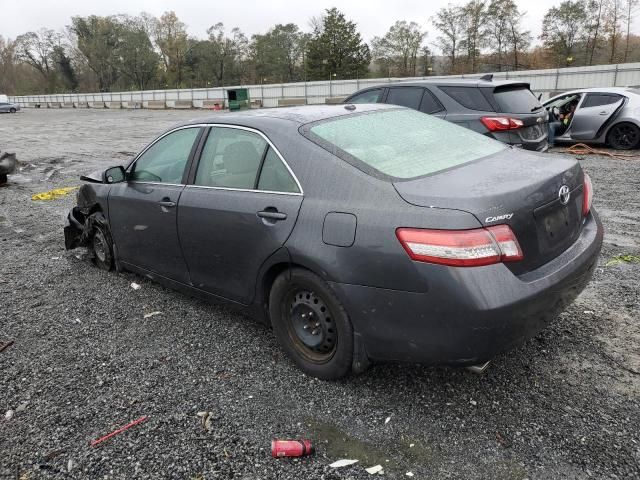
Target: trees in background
[
  {"x": 397, "y": 52},
  {"x": 336, "y": 49},
  {"x": 122, "y": 52}
]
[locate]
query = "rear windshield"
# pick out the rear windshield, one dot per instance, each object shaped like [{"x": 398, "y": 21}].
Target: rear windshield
[
  {"x": 400, "y": 143},
  {"x": 516, "y": 100}
]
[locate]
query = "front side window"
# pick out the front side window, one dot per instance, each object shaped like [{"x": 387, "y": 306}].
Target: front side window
[
  {"x": 231, "y": 158},
  {"x": 165, "y": 160},
  {"x": 400, "y": 143},
  {"x": 370, "y": 96},
  {"x": 405, "y": 96}
]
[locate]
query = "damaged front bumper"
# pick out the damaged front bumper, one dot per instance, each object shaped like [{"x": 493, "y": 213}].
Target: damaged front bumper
[{"x": 75, "y": 232}]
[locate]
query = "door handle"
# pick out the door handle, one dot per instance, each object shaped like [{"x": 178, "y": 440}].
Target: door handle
[
  {"x": 272, "y": 215},
  {"x": 167, "y": 203}
]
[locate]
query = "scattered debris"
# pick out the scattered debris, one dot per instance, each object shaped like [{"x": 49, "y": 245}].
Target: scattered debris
[
  {"x": 291, "y": 448},
  {"x": 502, "y": 441},
  {"x": 8, "y": 165},
  {"x": 622, "y": 258},
  {"x": 375, "y": 469},
  {"x": 151, "y": 314},
  {"x": 53, "y": 194},
  {"x": 6, "y": 345},
  {"x": 206, "y": 418},
  {"x": 409, "y": 474},
  {"x": 22, "y": 407},
  {"x": 589, "y": 312},
  {"x": 135, "y": 286},
  {"x": 581, "y": 149},
  {"x": 70, "y": 465},
  {"x": 51, "y": 455},
  {"x": 343, "y": 463},
  {"x": 411, "y": 445},
  {"x": 116, "y": 432},
  {"x": 9, "y": 415},
  {"x": 387, "y": 420},
  {"x": 473, "y": 402}
]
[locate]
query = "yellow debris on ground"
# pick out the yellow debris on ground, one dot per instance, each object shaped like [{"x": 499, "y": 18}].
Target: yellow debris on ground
[{"x": 53, "y": 194}]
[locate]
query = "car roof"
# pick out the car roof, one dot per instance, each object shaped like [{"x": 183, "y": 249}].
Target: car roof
[
  {"x": 452, "y": 82},
  {"x": 300, "y": 115},
  {"x": 619, "y": 90}
]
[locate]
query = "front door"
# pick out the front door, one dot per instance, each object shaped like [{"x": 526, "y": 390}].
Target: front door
[
  {"x": 593, "y": 112},
  {"x": 240, "y": 209},
  {"x": 142, "y": 210}
]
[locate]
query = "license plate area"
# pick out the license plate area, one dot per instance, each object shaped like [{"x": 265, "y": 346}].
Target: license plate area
[{"x": 558, "y": 225}]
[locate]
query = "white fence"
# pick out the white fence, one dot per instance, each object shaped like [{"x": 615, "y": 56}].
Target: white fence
[{"x": 273, "y": 95}]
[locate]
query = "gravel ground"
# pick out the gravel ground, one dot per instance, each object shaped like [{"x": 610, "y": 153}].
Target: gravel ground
[{"x": 85, "y": 361}]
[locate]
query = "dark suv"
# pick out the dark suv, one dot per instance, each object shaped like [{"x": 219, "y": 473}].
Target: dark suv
[{"x": 505, "y": 110}]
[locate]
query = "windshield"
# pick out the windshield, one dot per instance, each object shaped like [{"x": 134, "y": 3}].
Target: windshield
[
  {"x": 401, "y": 143},
  {"x": 516, "y": 100}
]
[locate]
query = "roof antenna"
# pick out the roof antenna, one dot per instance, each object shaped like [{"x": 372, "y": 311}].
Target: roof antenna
[{"x": 487, "y": 78}]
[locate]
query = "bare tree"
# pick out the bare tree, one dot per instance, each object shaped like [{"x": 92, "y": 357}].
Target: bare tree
[
  {"x": 400, "y": 46},
  {"x": 613, "y": 16},
  {"x": 474, "y": 14},
  {"x": 631, "y": 8},
  {"x": 448, "y": 21}
]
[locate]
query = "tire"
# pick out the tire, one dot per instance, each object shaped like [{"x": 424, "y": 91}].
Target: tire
[
  {"x": 102, "y": 247},
  {"x": 12, "y": 110},
  {"x": 311, "y": 324},
  {"x": 624, "y": 136}
]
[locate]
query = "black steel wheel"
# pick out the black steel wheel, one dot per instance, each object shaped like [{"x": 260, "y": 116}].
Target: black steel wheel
[
  {"x": 102, "y": 247},
  {"x": 311, "y": 325},
  {"x": 624, "y": 136}
]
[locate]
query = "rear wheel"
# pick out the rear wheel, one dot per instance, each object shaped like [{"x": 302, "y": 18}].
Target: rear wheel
[
  {"x": 102, "y": 247},
  {"x": 624, "y": 136},
  {"x": 12, "y": 110},
  {"x": 311, "y": 325}
]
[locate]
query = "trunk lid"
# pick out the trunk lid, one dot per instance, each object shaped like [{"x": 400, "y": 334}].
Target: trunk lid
[{"x": 513, "y": 187}]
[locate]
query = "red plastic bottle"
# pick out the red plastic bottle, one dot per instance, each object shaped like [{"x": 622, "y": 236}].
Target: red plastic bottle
[{"x": 291, "y": 448}]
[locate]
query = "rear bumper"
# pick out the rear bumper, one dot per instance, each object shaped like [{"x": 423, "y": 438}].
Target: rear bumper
[
  {"x": 469, "y": 315},
  {"x": 513, "y": 138}
]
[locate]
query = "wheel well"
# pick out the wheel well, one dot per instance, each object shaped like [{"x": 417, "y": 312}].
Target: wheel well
[
  {"x": 624, "y": 122},
  {"x": 267, "y": 282}
]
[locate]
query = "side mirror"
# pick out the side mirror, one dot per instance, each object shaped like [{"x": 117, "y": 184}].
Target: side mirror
[{"x": 114, "y": 175}]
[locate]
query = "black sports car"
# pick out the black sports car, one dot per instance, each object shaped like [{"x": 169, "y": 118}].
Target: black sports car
[{"x": 361, "y": 233}]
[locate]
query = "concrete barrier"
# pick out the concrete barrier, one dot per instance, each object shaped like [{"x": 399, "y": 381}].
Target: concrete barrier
[
  {"x": 290, "y": 102},
  {"x": 80, "y": 105},
  {"x": 334, "y": 100},
  {"x": 179, "y": 104},
  {"x": 112, "y": 104},
  {"x": 66, "y": 105},
  {"x": 154, "y": 104},
  {"x": 95, "y": 104},
  {"x": 54, "y": 105},
  {"x": 212, "y": 102}
]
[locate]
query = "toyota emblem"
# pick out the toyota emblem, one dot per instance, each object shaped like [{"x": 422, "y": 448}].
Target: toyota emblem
[{"x": 564, "y": 194}]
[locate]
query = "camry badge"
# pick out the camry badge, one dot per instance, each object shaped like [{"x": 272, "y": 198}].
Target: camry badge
[{"x": 564, "y": 194}]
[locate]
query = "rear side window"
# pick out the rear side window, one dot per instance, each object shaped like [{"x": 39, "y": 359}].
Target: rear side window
[
  {"x": 469, "y": 97},
  {"x": 400, "y": 143},
  {"x": 405, "y": 96},
  {"x": 516, "y": 100},
  {"x": 430, "y": 104},
  {"x": 370, "y": 96},
  {"x": 599, "y": 99},
  {"x": 274, "y": 176},
  {"x": 230, "y": 158}
]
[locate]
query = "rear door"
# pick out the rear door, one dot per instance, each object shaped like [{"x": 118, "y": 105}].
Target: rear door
[
  {"x": 142, "y": 210},
  {"x": 239, "y": 209},
  {"x": 594, "y": 111}
]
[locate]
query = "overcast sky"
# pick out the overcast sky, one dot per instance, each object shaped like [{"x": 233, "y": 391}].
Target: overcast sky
[{"x": 374, "y": 17}]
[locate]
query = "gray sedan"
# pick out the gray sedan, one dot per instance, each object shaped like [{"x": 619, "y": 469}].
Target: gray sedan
[
  {"x": 9, "y": 107},
  {"x": 359, "y": 232},
  {"x": 598, "y": 115}
]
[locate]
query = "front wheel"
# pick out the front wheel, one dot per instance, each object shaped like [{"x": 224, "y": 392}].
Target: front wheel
[
  {"x": 311, "y": 324},
  {"x": 102, "y": 247},
  {"x": 624, "y": 136}
]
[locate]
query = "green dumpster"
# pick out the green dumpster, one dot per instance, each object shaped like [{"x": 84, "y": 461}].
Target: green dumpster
[{"x": 238, "y": 99}]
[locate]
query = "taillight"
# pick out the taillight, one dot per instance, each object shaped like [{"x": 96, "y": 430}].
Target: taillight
[
  {"x": 461, "y": 248},
  {"x": 501, "y": 123},
  {"x": 587, "y": 195}
]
